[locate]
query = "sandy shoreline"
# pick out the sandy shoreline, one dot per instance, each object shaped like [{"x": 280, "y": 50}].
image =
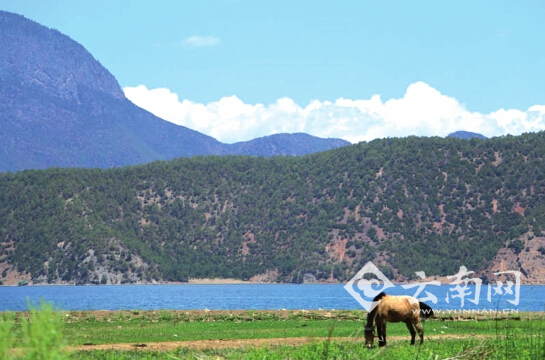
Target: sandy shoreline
[{"x": 229, "y": 281}]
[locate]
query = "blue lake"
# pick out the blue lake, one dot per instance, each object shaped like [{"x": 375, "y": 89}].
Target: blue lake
[{"x": 246, "y": 297}]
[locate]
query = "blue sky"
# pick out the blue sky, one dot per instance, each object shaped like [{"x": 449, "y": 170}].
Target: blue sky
[{"x": 352, "y": 69}]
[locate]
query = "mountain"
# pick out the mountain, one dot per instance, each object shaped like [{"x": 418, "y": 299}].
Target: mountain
[
  {"x": 408, "y": 205},
  {"x": 466, "y": 135},
  {"x": 59, "y": 107},
  {"x": 286, "y": 144}
]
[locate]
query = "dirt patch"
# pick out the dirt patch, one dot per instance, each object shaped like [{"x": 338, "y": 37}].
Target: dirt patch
[
  {"x": 246, "y": 343},
  {"x": 206, "y": 344}
]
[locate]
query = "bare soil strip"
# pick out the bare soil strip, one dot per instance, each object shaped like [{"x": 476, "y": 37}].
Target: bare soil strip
[{"x": 244, "y": 343}]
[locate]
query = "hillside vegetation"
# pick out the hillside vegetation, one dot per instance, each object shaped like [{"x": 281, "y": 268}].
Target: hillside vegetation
[{"x": 408, "y": 204}]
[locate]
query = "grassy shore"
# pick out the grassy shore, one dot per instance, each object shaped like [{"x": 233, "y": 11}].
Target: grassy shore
[{"x": 45, "y": 333}]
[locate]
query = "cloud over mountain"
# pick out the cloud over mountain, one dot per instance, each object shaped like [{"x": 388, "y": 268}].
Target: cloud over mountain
[{"x": 422, "y": 111}]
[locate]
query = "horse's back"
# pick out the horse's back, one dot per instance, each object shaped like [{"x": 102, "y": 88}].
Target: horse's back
[{"x": 399, "y": 308}]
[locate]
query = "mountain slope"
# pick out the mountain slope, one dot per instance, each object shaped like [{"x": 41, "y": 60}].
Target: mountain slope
[
  {"x": 60, "y": 108},
  {"x": 411, "y": 204}
]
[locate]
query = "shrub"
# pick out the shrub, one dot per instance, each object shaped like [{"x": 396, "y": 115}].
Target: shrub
[
  {"x": 42, "y": 333},
  {"x": 7, "y": 338}
]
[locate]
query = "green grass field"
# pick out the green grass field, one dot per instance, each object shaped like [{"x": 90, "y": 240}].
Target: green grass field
[{"x": 45, "y": 333}]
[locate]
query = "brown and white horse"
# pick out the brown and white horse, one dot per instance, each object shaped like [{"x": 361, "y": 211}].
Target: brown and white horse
[{"x": 395, "y": 309}]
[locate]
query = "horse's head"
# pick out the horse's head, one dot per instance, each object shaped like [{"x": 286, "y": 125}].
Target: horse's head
[{"x": 369, "y": 336}]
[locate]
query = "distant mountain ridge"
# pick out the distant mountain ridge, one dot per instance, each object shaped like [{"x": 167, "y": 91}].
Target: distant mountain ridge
[
  {"x": 59, "y": 107},
  {"x": 286, "y": 144},
  {"x": 466, "y": 135}
]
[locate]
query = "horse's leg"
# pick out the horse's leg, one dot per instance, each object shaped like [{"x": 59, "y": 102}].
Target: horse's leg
[
  {"x": 383, "y": 331},
  {"x": 420, "y": 331},
  {"x": 411, "y": 330},
  {"x": 379, "y": 333}
]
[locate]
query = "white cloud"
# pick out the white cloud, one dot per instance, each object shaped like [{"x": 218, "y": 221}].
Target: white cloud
[
  {"x": 422, "y": 111},
  {"x": 198, "y": 41}
]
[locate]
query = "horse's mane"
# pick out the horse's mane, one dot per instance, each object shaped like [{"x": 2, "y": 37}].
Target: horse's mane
[
  {"x": 371, "y": 314},
  {"x": 379, "y": 296}
]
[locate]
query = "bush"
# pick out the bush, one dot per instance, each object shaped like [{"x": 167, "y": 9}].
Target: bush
[
  {"x": 7, "y": 338},
  {"x": 42, "y": 333}
]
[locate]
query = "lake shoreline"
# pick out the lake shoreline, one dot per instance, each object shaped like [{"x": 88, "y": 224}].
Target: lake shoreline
[{"x": 217, "y": 281}]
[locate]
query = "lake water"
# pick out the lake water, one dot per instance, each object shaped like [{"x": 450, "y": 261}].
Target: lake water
[{"x": 247, "y": 297}]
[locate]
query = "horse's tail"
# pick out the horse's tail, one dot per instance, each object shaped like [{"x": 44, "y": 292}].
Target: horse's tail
[{"x": 425, "y": 310}]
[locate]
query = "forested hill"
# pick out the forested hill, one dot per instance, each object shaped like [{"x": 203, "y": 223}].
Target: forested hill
[{"x": 409, "y": 204}]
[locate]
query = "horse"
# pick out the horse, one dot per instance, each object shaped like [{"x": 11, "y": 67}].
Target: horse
[{"x": 395, "y": 309}]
